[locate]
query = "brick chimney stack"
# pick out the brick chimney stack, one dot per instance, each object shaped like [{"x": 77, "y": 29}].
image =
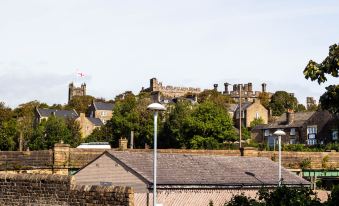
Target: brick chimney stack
[{"x": 263, "y": 87}]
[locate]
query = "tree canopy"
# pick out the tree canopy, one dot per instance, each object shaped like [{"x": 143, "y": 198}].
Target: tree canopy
[{"x": 281, "y": 101}]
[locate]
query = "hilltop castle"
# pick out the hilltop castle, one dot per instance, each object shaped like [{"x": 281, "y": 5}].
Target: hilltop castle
[
  {"x": 76, "y": 91},
  {"x": 169, "y": 91}
]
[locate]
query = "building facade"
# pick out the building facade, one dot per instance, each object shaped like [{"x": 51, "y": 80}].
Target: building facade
[{"x": 76, "y": 91}]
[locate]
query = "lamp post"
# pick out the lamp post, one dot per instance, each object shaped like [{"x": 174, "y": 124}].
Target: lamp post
[
  {"x": 279, "y": 133},
  {"x": 156, "y": 107}
]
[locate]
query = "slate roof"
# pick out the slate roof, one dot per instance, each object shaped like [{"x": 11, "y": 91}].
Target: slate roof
[
  {"x": 95, "y": 121},
  {"x": 58, "y": 113},
  {"x": 184, "y": 169},
  {"x": 103, "y": 106},
  {"x": 299, "y": 119}
]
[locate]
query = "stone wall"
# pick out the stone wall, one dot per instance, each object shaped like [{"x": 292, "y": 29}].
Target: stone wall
[{"x": 28, "y": 189}]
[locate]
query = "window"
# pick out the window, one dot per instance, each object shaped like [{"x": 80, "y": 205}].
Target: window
[
  {"x": 293, "y": 141},
  {"x": 103, "y": 113},
  {"x": 257, "y": 116},
  {"x": 104, "y": 121},
  {"x": 266, "y": 132},
  {"x": 292, "y": 131},
  {"x": 335, "y": 135},
  {"x": 311, "y": 135}
]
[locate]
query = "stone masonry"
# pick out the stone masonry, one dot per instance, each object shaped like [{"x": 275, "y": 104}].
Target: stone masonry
[{"x": 39, "y": 190}]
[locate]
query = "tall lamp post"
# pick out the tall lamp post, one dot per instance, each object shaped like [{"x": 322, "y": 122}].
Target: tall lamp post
[
  {"x": 156, "y": 107},
  {"x": 279, "y": 133}
]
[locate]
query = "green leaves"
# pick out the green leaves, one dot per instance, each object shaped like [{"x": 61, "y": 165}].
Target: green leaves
[
  {"x": 330, "y": 99},
  {"x": 329, "y": 66}
]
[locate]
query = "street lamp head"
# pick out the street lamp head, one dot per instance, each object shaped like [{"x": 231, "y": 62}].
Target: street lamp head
[
  {"x": 279, "y": 133},
  {"x": 156, "y": 107}
]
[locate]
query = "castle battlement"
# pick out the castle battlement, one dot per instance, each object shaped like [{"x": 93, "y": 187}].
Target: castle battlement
[{"x": 170, "y": 91}]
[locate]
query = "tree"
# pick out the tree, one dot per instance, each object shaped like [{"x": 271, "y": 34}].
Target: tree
[
  {"x": 172, "y": 135},
  {"x": 281, "y": 101},
  {"x": 256, "y": 122},
  {"x": 54, "y": 130},
  {"x": 316, "y": 71},
  {"x": 209, "y": 121},
  {"x": 80, "y": 103},
  {"x": 6, "y": 113},
  {"x": 329, "y": 66},
  {"x": 330, "y": 99},
  {"x": 215, "y": 97},
  {"x": 264, "y": 98},
  {"x": 8, "y": 135},
  {"x": 300, "y": 108}
]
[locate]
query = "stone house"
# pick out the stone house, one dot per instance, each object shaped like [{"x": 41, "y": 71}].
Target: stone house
[
  {"x": 101, "y": 110},
  {"x": 184, "y": 179},
  {"x": 249, "y": 112},
  {"x": 301, "y": 128},
  {"x": 44, "y": 114},
  {"x": 88, "y": 124}
]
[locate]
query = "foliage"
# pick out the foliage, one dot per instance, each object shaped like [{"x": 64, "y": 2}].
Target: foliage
[
  {"x": 173, "y": 133},
  {"x": 300, "y": 108},
  {"x": 80, "y": 103},
  {"x": 281, "y": 101},
  {"x": 8, "y": 135},
  {"x": 264, "y": 99},
  {"x": 6, "y": 113},
  {"x": 245, "y": 133},
  {"x": 330, "y": 99},
  {"x": 199, "y": 142},
  {"x": 256, "y": 122},
  {"x": 305, "y": 163},
  {"x": 281, "y": 196},
  {"x": 54, "y": 130},
  {"x": 330, "y": 66},
  {"x": 333, "y": 198},
  {"x": 210, "y": 120},
  {"x": 216, "y": 97}
]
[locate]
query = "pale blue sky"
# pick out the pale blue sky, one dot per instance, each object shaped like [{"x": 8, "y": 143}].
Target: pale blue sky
[{"x": 120, "y": 45}]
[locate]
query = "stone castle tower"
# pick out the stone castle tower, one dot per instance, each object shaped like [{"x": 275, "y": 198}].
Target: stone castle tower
[{"x": 76, "y": 91}]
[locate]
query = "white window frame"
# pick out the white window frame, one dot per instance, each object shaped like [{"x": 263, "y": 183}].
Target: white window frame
[
  {"x": 335, "y": 134},
  {"x": 292, "y": 132},
  {"x": 266, "y": 132},
  {"x": 312, "y": 134}
]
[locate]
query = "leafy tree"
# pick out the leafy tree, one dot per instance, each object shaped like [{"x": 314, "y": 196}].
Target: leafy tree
[
  {"x": 316, "y": 71},
  {"x": 334, "y": 197},
  {"x": 54, "y": 130},
  {"x": 6, "y": 113},
  {"x": 215, "y": 97},
  {"x": 209, "y": 120},
  {"x": 173, "y": 132},
  {"x": 329, "y": 66},
  {"x": 312, "y": 107},
  {"x": 8, "y": 135},
  {"x": 300, "y": 108},
  {"x": 264, "y": 99},
  {"x": 80, "y": 103},
  {"x": 281, "y": 101},
  {"x": 256, "y": 122},
  {"x": 330, "y": 99}
]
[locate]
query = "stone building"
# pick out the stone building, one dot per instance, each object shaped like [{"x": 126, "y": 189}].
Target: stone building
[
  {"x": 76, "y": 91},
  {"x": 247, "y": 93},
  {"x": 101, "y": 110},
  {"x": 184, "y": 179},
  {"x": 88, "y": 124},
  {"x": 249, "y": 112},
  {"x": 169, "y": 91},
  {"x": 44, "y": 114},
  {"x": 301, "y": 128}
]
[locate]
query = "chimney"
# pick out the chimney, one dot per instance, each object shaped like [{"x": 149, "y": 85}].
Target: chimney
[
  {"x": 250, "y": 88},
  {"x": 122, "y": 144},
  {"x": 246, "y": 87},
  {"x": 263, "y": 87},
  {"x": 226, "y": 88},
  {"x": 290, "y": 116},
  {"x": 215, "y": 87}
]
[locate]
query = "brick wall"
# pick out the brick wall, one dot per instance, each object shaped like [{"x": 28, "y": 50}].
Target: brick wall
[{"x": 28, "y": 189}]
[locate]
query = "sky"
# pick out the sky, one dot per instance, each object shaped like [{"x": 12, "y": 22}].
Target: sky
[{"x": 121, "y": 45}]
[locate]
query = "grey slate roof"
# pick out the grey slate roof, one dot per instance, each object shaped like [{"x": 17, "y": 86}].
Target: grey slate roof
[
  {"x": 299, "y": 119},
  {"x": 183, "y": 169},
  {"x": 95, "y": 121},
  {"x": 103, "y": 106},
  {"x": 58, "y": 113}
]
